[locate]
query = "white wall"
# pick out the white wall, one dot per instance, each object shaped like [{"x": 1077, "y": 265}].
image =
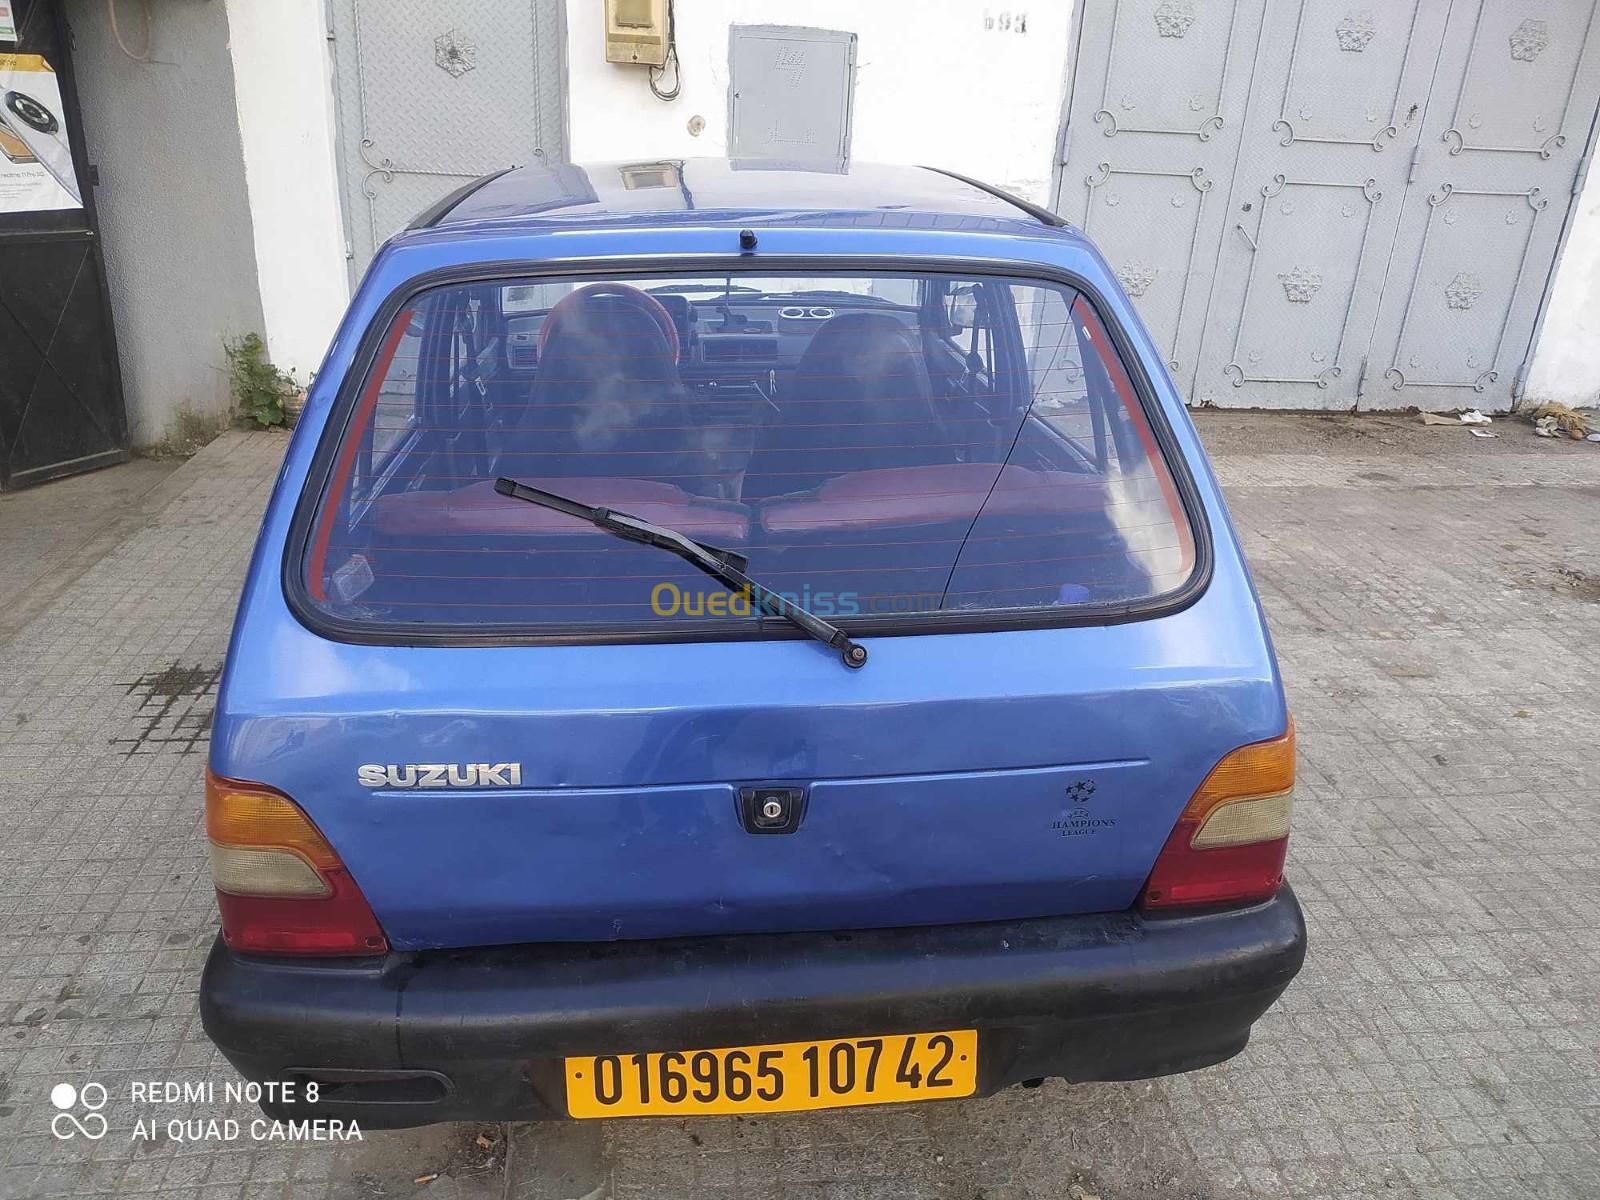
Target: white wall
[
  {"x": 283, "y": 86},
  {"x": 1566, "y": 360},
  {"x": 949, "y": 83},
  {"x": 167, "y": 202}
]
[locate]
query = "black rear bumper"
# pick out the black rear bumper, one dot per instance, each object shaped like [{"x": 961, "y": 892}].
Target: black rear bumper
[{"x": 480, "y": 1034}]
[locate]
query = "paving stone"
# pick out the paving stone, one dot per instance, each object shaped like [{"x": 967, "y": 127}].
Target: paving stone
[{"x": 1436, "y": 608}]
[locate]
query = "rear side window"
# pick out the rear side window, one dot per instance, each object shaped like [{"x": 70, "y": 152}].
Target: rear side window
[{"x": 877, "y": 446}]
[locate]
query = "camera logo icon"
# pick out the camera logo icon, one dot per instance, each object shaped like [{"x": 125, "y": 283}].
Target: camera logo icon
[{"x": 67, "y": 1123}]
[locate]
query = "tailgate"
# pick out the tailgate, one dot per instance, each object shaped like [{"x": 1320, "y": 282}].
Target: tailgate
[{"x": 959, "y": 777}]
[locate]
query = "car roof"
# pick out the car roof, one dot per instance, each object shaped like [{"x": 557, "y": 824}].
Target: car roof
[{"x": 730, "y": 191}]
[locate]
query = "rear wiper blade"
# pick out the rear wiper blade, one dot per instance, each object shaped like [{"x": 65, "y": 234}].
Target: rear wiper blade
[{"x": 726, "y": 567}]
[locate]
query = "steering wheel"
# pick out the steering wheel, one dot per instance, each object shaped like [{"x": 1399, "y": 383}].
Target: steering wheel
[{"x": 642, "y": 300}]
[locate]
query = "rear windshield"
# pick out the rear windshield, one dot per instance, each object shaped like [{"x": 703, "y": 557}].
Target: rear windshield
[{"x": 876, "y": 445}]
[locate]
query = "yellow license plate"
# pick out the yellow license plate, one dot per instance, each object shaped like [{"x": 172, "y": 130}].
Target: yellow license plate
[{"x": 788, "y": 1077}]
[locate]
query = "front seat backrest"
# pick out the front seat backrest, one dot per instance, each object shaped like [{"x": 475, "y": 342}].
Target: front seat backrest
[
  {"x": 607, "y": 400},
  {"x": 859, "y": 399}
]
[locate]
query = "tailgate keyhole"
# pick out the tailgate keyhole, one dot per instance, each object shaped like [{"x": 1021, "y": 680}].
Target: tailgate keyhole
[{"x": 765, "y": 809}]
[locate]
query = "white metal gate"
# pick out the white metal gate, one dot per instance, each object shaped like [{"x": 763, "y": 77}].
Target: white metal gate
[
  {"x": 1329, "y": 203},
  {"x": 433, "y": 93}
]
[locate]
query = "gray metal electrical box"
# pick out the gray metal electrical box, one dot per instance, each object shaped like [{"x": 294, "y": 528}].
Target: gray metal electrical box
[{"x": 789, "y": 92}]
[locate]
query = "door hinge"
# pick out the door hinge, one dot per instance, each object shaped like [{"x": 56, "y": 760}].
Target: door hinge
[
  {"x": 1416, "y": 163},
  {"x": 1361, "y": 380},
  {"x": 1582, "y": 176},
  {"x": 1520, "y": 383}
]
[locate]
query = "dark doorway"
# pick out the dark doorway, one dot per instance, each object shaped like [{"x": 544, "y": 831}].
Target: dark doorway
[{"x": 61, "y": 407}]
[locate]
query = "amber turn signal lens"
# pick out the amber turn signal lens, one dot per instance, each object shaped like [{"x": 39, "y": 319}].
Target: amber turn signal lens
[
  {"x": 1250, "y": 772},
  {"x": 249, "y": 815}
]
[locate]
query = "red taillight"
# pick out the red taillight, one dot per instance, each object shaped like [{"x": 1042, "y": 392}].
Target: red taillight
[
  {"x": 1229, "y": 843},
  {"x": 280, "y": 886}
]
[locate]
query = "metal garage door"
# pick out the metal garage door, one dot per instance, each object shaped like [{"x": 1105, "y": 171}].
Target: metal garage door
[
  {"x": 434, "y": 94},
  {"x": 1326, "y": 203}
]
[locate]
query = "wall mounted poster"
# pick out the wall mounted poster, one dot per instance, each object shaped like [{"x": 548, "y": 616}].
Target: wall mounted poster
[{"x": 36, "y": 172}]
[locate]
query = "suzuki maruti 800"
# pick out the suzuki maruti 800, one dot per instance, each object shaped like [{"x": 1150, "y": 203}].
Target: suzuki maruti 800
[{"x": 735, "y": 638}]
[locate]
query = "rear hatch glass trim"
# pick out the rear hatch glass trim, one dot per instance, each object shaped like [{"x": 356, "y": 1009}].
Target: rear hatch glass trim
[{"x": 305, "y": 609}]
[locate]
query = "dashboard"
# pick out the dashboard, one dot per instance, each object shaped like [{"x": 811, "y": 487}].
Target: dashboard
[{"x": 736, "y": 335}]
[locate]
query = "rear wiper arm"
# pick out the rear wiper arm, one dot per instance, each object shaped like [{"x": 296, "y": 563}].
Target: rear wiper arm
[{"x": 726, "y": 567}]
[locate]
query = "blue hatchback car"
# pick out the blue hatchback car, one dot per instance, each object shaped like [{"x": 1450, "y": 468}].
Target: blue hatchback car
[{"x": 730, "y": 637}]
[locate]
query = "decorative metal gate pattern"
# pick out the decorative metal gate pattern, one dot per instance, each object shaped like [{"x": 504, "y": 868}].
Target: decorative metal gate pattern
[
  {"x": 433, "y": 93},
  {"x": 1159, "y": 89},
  {"x": 1376, "y": 192},
  {"x": 1503, "y": 142}
]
